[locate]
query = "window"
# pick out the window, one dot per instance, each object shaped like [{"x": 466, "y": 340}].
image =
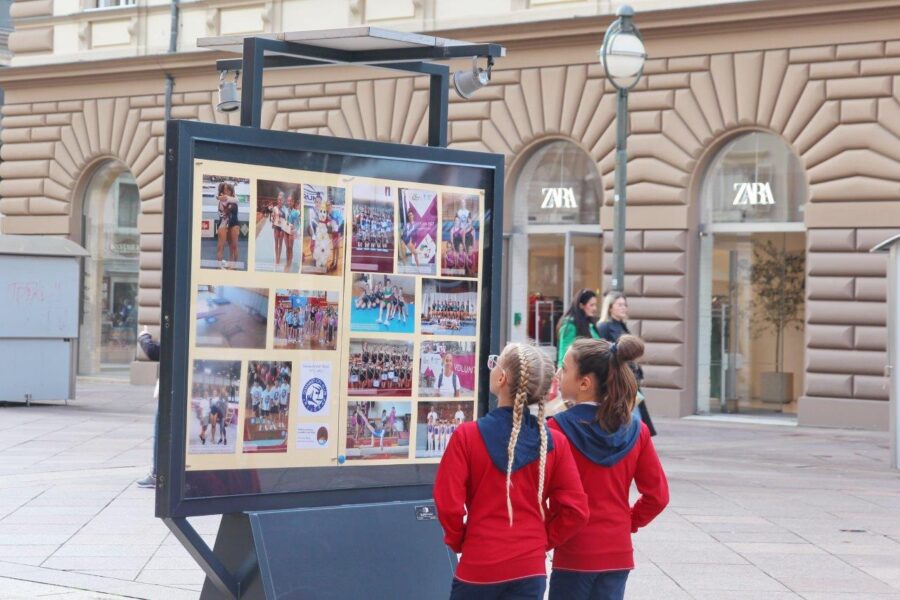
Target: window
[
  {"x": 98, "y": 4},
  {"x": 560, "y": 185},
  {"x": 754, "y": 178}
]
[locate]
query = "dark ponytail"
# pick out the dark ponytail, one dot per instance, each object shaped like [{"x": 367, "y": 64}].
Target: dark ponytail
[{"x": 616, "y": 385}]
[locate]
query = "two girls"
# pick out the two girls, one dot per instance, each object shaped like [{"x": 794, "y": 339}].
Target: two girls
[{"x": 495, "y": 479}]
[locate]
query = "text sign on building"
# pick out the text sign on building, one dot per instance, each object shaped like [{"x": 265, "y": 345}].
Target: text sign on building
[
  {"x": 753, "y": 193},
  {"x": 561, "y": 197}
]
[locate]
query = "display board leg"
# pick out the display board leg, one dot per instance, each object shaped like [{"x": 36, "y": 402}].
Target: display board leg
[{"x": 231, "y": 568}]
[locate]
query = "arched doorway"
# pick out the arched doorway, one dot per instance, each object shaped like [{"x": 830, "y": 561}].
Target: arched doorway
[
  {"x": 752, "y": 278},
  {"x": 108, "y": 331},
  {"x": 556, "y": 245}
]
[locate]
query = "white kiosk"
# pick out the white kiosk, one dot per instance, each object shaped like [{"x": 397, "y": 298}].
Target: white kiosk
[{"x": 890, "y": 245}]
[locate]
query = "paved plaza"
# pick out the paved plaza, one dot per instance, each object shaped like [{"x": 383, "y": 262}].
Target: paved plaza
[{"x": 763, "y": 512}]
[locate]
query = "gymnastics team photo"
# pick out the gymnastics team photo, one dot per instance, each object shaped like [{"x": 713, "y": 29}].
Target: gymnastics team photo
[
  {"x": 267, "y": 406},
  {"x": 277, "y": 226},
  {"x": 460, "y": 230},
  {"x": 323, "y": 230},
  {"x": 305, "y": 320},
  {"x": 447, "y": 369},
  {"x": 378, "y": 429},
  {"x": 383, "y": 303},
  {"x": 213, "y": 407},
  {"x": 380, "y": 368},
  {"x": 449, "y": 306},
  {"x": 224, "y": 222},
  {"x": 372, "y": 241},
  {"x": 417, "y": 225},
  {"x": 231, "y": 317},
  {"x": 436, "y": 422}
]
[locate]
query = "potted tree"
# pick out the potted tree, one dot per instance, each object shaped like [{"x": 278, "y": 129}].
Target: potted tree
[{"x": 779, "y": 282}]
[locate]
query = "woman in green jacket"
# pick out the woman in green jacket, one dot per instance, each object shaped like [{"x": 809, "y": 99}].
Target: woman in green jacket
[{"x": 579, "y": 321}]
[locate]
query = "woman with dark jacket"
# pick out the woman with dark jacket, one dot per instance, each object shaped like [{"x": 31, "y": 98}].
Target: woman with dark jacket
[
  {"x": 579, "y": 321},
  {"x": 613, "y": 325}
]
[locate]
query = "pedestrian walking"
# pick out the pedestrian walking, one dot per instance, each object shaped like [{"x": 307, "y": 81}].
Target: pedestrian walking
[
  {"x": 495, "y": 479},
  {"x": 613, "y": 325},
  {"x": 150, "y": 348},
  {"x": 611, "y": 450},
  {"x": 579, "y": 321}
]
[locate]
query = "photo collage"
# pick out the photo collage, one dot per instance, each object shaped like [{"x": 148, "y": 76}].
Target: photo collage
[{"x": 340, "y": 326}]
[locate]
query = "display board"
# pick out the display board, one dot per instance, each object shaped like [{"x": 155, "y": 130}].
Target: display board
[{"x": 327, "y": 315}]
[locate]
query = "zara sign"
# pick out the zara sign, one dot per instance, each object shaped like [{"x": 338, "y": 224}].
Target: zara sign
[
  {"x": 753, "y": 193},
  {"x": 558, "y": 198}
]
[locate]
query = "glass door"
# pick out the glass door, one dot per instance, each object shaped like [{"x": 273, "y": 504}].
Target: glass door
[{"x": 756, "y": 337}]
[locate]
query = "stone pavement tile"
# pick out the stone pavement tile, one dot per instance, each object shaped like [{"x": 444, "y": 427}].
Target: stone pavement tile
[
  {"x": 690, "y": 553},
  {"x": 753, "y": 548},
  {"x": 148, "y": 537},
  {"x": 722, "y": 577},
  {"x": 768, "y": 537},
  {"x": 890, "y": 575},
  {"x": 92, "y": 583},
  {"x": 13, "y": 589},
  {"x": 39, "y": 539},
  {"x": 93, "y": 563},
  {"x": 98, "y": 550},
  {"x": 848, "y": 596},
  {"x": 654, "y": 588},
  {"x": 173, "y": 576},
  {"x": 123, "y": 574},
  {"x": 859, "y": 561},
  {"x": 814, "y": 576},
  {"x": 731, "y": 595}
]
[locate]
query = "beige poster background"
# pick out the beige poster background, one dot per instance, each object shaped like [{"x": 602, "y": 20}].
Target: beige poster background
[{"x": 303, "y": 448}]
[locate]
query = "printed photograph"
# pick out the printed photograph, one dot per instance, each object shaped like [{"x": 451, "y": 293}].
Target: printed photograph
[
  {"x": 460, "y": 230},
  {"x": 277, "y": 226},
  {"x": 231, "y": 317},
  {"x": 372, "y": 242},
  {"x": 267, "y": 406},
  {"x": 449, "y": 306},
  {"x": 380, "y": 368},
  {"x": 214, "y": 408},
  {"x": 378, "y": 430},
  {"x": 224, "y": 222},
  {"x": 323, "y": 223},
  {"x": 447, "y": 369},
  {"x": 383, "y": 303},
  {"x": 417, "y": 224},
  {"x": 305, "y": 320},
  {"x": 436, "y": 422}
]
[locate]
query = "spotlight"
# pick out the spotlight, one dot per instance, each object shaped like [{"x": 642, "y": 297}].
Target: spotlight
[
  {"x": 229, "y": 99},
  {"x": 469, "y": 82}
]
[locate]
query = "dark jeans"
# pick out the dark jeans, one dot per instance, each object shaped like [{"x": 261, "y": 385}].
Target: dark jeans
[
  {"x": 531, "y": 588},
  {"x": 576, "y": 585}
]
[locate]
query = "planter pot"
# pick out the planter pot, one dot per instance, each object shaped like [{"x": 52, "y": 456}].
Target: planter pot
[{"x": 778, "y": 388}]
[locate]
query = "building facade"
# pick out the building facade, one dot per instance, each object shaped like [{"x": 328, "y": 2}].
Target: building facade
[{"x": 763, "y": 157}]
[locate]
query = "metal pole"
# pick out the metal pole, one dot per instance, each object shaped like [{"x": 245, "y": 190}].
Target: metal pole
[
  {"x": 439, "y": 90},
  {"x": 252, "y": 82},
  {"x": 893, "y": 370},
  {"x": 618, "y": 275}
]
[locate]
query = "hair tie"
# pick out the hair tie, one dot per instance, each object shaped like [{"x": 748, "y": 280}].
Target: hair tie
[{"x": 613, "y": 348}]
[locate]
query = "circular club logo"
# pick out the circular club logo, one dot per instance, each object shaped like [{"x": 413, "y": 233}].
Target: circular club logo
[{"x": 314, "y": 395}]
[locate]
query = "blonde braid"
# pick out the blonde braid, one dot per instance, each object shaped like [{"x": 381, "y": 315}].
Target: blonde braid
[
  {"x": 542, "y": 426},
  {"x": 518, "y": 407}
]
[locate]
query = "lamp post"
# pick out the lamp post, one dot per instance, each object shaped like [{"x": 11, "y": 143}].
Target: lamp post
[{"x": 623, "y": 57}]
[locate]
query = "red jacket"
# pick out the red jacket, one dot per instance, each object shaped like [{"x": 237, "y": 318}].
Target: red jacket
[
  {"x": 604, "y": 544},
  {"x": 470, "y": 495}
]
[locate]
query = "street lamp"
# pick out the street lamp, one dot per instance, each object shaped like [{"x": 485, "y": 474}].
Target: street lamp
[{"x": 623, "y": 57}]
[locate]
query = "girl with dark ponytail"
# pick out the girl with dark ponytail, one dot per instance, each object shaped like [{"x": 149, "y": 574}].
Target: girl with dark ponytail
[
  {"x": 495, "y": 480},
  {"x": 579, "y": 321},
  {"x": 611, "y": 450}
]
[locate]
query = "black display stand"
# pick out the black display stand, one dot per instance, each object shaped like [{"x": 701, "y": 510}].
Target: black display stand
[{"x": 384, "y": 551}]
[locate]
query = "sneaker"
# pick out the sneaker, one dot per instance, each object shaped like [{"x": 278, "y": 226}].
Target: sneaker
[
  {"x": 223, "y": 264},
  {"x": 147, "y": 482}
]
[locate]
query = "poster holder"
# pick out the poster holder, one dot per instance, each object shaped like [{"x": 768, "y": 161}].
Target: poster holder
[{"x": 341, "y": 544}]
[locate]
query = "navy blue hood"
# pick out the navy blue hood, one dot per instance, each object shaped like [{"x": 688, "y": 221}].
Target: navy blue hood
[
  {"x": 599, "y": 446},
  {"x": 496, "y": 427}
]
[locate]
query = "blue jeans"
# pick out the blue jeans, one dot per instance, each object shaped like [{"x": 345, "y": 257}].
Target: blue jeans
[
  {"x": 531, "y": 588},
  {"x": 576, "y": 585}
]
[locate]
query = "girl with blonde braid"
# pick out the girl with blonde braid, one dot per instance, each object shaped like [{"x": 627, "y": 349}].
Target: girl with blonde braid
[
  {"x": 612, "y": 450},
  {"x": 495, "y": 480}
]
